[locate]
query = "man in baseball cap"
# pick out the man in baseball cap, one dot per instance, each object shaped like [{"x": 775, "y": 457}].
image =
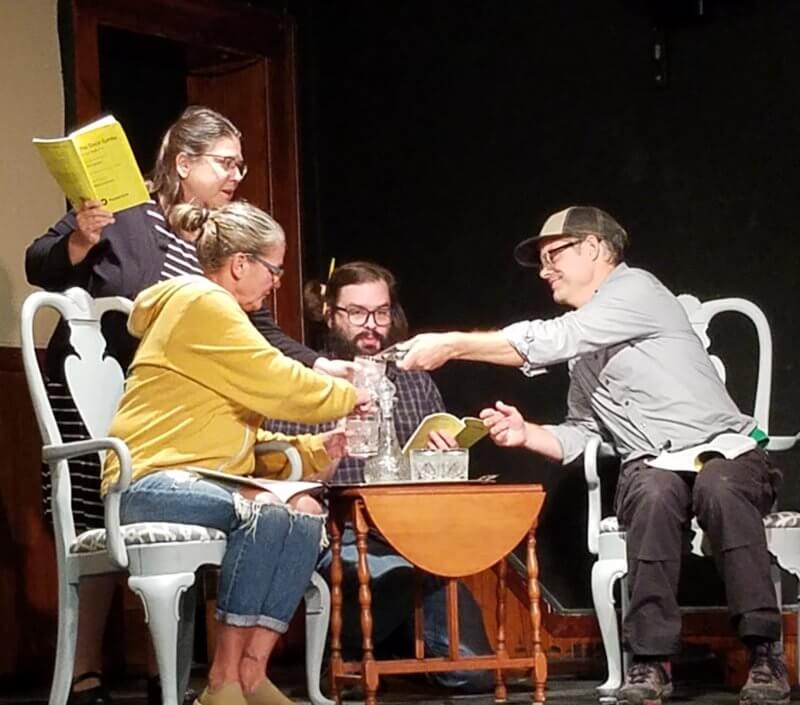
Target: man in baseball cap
[
  {"x": 578, "y": 222},
  {"x": 641, "y": 379}
]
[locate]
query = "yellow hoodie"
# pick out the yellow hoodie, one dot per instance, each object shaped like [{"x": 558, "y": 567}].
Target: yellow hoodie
[{"x": 202, "y": 381}]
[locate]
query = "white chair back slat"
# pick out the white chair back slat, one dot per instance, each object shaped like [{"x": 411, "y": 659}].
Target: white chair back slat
[
  {"x": 95, "y": 382},
  {"x": 700, "y": 316}
]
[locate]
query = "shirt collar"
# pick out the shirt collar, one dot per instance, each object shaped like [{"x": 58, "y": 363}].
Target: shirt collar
[{"x": 615, "y": 273}]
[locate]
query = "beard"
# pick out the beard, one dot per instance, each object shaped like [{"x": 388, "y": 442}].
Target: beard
[{"x": 343, "y": 348}]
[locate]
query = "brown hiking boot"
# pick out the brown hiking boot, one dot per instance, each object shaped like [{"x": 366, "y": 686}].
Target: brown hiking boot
[
  {"x": 646, "y": 683},
  {"x": 767, "y": 682}
]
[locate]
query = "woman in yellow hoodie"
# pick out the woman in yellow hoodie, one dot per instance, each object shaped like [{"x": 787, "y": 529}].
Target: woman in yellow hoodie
[{"x": 201, "y": 382}]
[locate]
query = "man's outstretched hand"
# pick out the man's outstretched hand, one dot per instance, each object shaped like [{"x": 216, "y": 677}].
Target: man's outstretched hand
[
  {"x": 427, "y": 351},
  {"x": 506, "y": 425}
]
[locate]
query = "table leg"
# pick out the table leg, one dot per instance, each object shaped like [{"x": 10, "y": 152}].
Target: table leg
[
  {"x": 500, "y": 690},
  {"x": 419, "y": 618},
  {"x": 453, "y": 631},
  {"x": 368, "y": 667},
  {"x": 336, "y": 605},
  {"x": 539, "y": 660}
]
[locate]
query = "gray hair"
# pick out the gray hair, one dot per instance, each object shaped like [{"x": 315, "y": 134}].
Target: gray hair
[{"x": 222, "y": 232}]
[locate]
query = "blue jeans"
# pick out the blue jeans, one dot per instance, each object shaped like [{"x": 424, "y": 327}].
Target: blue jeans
[
  {"x": 392, "y": 587},
  {"x": 271, "y": 552}
]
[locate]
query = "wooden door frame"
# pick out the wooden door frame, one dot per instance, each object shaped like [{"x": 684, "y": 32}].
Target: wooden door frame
[{"x": 226, "y": 26}]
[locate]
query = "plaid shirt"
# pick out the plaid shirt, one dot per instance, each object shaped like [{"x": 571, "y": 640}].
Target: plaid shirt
[{"x": 417, "y": 396}]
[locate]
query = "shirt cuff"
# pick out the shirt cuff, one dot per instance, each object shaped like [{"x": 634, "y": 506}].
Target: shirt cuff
[
  {"x": 571, "y": 439},
  {"x": 519, "y": 336}
]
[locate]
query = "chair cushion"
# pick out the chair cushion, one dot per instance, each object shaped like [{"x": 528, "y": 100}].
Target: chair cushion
[
  {"x": 782, "y": 520},
  {"x": 151, "y": 532},
  {"x": 609, "y": 525},
  {"x": 776, "y": 520}
]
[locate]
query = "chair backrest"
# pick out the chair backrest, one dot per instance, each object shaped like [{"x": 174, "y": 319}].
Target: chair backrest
[
  {"x": 95, "y": 382},
  {"x": 700, "y": 315}
]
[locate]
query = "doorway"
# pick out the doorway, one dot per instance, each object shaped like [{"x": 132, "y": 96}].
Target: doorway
[{"x": 145, "y": 60}]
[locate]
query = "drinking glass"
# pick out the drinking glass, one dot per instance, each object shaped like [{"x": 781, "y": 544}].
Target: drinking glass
[
  {"x": 424, "y": 465},
  {"x": 362, "y": 435},
  {"x": 363, "y": 430},
  {"x": 369, "y": 371},
  {"x": 454, "y": 464}
]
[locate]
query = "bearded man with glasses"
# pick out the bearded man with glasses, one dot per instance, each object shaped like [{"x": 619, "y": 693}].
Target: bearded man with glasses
[
  {"x": 359, "y": 308},
  {"x": 641, "y": 379}
]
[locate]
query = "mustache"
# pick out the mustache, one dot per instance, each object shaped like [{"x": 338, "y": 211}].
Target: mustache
[{"x": 346, "y": 348}]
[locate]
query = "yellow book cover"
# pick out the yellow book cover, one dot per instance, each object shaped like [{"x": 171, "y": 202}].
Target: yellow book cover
[
  {"x": 725, "y": 445},
  {"x": 95, "y": 162},
  {"x": 467, "y": 431}
]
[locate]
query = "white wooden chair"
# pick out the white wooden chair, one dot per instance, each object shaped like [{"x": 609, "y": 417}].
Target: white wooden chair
[
  {"x": 161, "y": 559},
  {"x": 606, "y": 539}
]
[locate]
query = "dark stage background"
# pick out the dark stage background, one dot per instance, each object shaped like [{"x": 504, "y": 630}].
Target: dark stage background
[{"x": 436, "y": 134}]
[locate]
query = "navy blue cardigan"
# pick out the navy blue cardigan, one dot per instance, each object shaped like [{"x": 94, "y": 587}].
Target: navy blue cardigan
[{"x": 128, "y": 259}]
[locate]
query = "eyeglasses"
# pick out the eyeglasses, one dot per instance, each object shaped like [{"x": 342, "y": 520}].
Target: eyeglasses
[
  {"x": 273, "y": 269},
  {"x": 549, "y": 257},
  {"x": 228, "y": 163},
  {"x": 359, "y": 316}
]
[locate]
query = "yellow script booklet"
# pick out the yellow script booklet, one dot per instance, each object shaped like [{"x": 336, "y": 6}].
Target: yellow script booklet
[
  {"x": 284, "y": 490},
  {"x": 467, "y": 431},
  {"x": 726, "y": 445},
  {"x": 95, "y": 162}
]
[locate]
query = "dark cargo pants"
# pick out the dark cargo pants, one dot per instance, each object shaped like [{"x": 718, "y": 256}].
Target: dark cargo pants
[{"x": 729, "y": 498}]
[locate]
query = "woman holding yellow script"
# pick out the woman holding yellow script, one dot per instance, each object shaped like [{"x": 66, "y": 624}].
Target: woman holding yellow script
[
  {"x": 198, "y": 347},
  {"x": 200, "y": 162}
]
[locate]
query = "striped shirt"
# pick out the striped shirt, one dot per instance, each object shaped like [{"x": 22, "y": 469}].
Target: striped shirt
[{"x": 181, "y": 255}]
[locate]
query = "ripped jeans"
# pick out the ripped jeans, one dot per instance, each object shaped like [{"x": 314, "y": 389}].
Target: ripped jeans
[{"x": 271, "y": 552}]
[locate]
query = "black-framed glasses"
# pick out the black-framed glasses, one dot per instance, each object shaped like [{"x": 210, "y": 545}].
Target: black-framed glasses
[
  {"x": 548, "y": 257},
  {"x": 273, "y": 269},
  {"x": 359, "y": 316},
  {"x": 228, "y": 163}
]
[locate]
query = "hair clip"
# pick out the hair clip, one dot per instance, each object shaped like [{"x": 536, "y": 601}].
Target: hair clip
[{"x": 323, "y": 288}]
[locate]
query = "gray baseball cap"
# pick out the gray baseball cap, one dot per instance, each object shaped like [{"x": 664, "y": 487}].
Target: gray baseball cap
[{"x": 575, "y": 220}]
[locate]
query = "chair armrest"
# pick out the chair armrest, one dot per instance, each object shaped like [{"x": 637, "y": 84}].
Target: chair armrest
[
  {"x": 782, "y": 442},
  {"x": 590, "y": 454},
  {"x": 291, "y": 453},
  {"x": 116, "y": 545}
]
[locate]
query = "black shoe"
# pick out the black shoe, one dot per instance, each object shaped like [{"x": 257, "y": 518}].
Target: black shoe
[
  {"x": 98, "y": 695},
  {"x": 768, "y": 681},
  {"x": 154, "y": 695},
  {"x": 646, "y": 683}
]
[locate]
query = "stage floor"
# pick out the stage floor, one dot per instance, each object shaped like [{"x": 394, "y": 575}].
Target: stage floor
[{"x": 561, "y": 691}]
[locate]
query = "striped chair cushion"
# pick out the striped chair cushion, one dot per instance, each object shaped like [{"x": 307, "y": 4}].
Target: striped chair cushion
[
  {"x": 782, "y": 520},
  {"x": 609, "y": 525},
  {"x": 776, "y": 520},
  {"x": 146, "y": 533}
]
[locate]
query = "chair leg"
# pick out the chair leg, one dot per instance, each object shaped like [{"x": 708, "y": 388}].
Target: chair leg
[
  {"x": 186, "y": 639},
  {"x": 318, "y": 611},
  {"x": 161, "y": 596},
  {"x": 604, "y": 574},
  {"x": 68, "y": 610},
  {"x": 627, "y": 656}
]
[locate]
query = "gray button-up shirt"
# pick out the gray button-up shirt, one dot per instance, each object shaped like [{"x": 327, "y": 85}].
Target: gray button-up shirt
[{"x": 639, "y": 375}]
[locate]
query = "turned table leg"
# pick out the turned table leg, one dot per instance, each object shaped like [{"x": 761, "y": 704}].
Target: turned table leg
[
  {"x": 500, "y": 690},
  {"x": 539, "y": 660},
  {"x": 336, "y": 605},
  {"x": 369, "y": 672}
]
